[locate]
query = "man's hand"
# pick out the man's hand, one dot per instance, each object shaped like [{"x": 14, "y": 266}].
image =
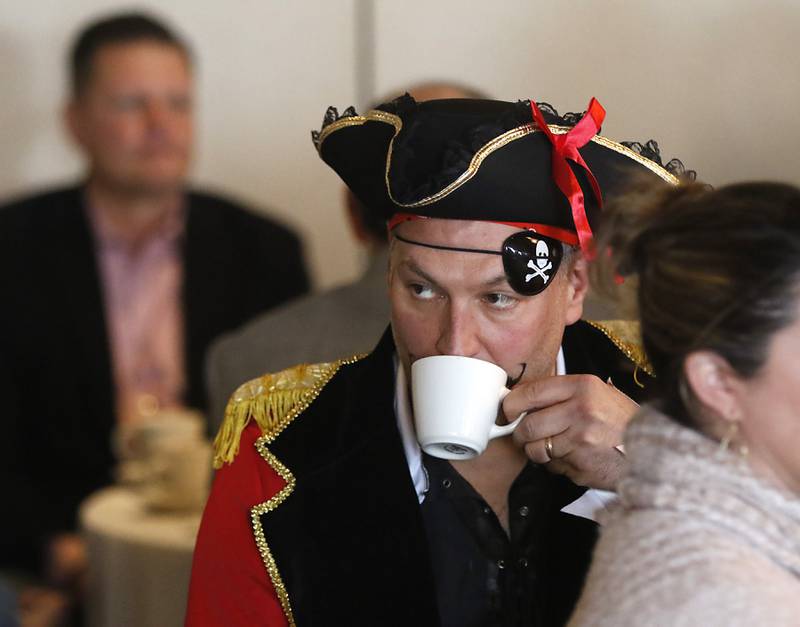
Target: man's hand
[
  {"x": 43, "y": 607},
  {"x": 67, "y": 561},
  {"x": 584, "y": 418}
]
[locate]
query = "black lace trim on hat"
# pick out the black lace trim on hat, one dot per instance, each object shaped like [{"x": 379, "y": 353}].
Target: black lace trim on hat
[
  {"x": 650, "y": 150},
  {"x": 331, "y": 116},
  {"x": 405, "y": 106},
  {"x": 459, "y": 152}
]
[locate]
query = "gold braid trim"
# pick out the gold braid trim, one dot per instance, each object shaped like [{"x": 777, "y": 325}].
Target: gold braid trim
[
  {"x": 273, "y": 401},
  {"x": 374, "y": 115},
  {"x": 270, "y": 401},
  {"x": 626, "y": 336},
  {"x": 258, "y": 531},
  {"x": 478, "y": 158}
]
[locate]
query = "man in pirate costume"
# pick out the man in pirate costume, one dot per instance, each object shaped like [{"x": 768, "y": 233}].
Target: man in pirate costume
[{"x": 324, "y": 510}]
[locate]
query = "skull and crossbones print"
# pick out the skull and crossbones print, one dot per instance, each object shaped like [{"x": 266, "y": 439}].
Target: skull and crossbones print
[{"x": 542, "y": 264}]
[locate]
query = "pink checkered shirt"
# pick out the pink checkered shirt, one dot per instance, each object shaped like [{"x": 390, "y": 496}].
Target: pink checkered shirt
[{"x": 141, "y": 286}]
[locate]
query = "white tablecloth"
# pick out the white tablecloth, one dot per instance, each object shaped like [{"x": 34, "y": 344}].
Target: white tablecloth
[{"x": 139, "y": 561}]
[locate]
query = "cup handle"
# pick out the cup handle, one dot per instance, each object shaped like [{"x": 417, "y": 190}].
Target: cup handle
[{"x": 497, "y": 431}]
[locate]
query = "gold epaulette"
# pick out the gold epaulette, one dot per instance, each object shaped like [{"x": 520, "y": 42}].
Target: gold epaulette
[
  {"x": 273, "y": 401},
  {"x": 627, "y": 337}
]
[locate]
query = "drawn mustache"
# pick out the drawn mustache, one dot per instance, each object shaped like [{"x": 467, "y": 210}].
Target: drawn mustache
[{"x": 512, "y": 381}]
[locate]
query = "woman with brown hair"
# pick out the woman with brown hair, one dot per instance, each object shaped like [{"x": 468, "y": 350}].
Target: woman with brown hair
[{"x": 706, "y": 530}]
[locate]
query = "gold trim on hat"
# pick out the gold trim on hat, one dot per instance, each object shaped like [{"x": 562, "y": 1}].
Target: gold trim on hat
[
  {"x": 651, "y": 165},
  {"x": 375, "y": 115},
  {"x": 477, "y": 159},
  {"x": 487, "y": 149},
  {"x": 505, "y": 139}
]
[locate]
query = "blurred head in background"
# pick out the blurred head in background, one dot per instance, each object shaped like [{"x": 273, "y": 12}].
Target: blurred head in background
[{"x": 130, "y": 107}]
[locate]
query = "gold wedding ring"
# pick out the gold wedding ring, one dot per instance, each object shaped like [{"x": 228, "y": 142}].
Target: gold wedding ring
[{"x": 548, "y": 447}]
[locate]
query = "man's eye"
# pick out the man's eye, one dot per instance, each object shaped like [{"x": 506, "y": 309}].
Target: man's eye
[
  {"x": 423, "y": 292},
  {"x": 180, "y": 103},
  {"x": 500, "y": 301},
  {"x": 128, "y": 103}
]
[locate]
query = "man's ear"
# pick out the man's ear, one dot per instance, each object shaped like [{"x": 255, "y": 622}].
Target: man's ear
[
  {"x": 577, "y": 286},
  {"x": 715, "y": 385},
  {"x": 71, "y": 117}
]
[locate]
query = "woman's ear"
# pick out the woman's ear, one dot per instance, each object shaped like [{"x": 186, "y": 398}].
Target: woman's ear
[{"x": 715, "y": 385}]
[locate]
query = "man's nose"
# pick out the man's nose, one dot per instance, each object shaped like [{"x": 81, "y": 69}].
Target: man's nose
[
  {"x": 458, "y": 333},
  {"x": 158, "y": 116}
]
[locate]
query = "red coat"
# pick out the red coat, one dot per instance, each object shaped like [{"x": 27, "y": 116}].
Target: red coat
[
  {"x": 230, "y": 585},
  {"x": 234, "y": 578}
]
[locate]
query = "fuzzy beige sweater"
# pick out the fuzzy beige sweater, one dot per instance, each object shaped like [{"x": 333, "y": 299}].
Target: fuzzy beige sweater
[{"x": 695, "y": 539}]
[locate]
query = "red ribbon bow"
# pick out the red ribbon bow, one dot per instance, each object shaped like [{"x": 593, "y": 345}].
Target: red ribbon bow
[{"x": 565, "y": 147}]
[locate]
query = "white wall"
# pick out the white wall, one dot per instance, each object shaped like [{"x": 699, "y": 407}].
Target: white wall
[{"x": 717, "y": 82}]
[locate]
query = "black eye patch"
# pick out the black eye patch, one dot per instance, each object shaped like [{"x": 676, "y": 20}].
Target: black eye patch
[{"x": 530, "y": 260}]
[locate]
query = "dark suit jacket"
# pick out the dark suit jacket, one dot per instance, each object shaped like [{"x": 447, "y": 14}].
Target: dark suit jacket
[{"x": 57, "y": 405}]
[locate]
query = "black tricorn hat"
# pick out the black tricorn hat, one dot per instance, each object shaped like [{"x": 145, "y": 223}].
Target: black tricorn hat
[{"x": 483, "y": 160}]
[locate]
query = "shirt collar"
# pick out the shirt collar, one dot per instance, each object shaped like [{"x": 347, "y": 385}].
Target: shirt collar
[{"x": 170, "y": 229}]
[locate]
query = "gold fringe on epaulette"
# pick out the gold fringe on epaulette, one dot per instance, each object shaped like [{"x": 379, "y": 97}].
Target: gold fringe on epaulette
[
  {"x": 266, "y": 400},
  {"x": 266, "y": 410},
  {"x": 272, "y": 401},
  {"x": 626, "y": 336}
]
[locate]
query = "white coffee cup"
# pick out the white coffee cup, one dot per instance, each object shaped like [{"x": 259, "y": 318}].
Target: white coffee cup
[{"x": 456, "y": 402}]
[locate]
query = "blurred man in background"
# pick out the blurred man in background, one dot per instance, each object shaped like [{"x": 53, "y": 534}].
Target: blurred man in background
[
  {"x": 321, "y": 327},
  {"x": 115, "y": 287}
]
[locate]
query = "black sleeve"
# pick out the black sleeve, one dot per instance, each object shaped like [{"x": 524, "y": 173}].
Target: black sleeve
[{"x": 32, "y": 502}]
